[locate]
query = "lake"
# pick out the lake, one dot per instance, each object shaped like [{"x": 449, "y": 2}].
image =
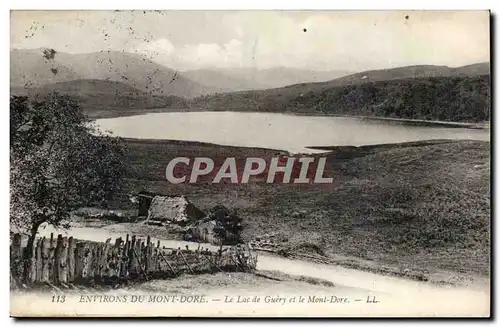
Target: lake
[{"x": 278, "y": 131}]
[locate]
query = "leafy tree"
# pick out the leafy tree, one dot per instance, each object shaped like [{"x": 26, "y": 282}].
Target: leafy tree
[
  {"x": 226, "y": 221},
  {"x": 59, "y": 162}
]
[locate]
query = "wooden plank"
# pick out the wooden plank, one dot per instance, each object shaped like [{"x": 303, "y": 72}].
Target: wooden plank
[
  {"x": 89, "y": 263},
  {"x": 16, "y": 257},
  {"x": 50, "y": 260},
  {"x": 139, "y": 252},
  {"x": 187, "y": 264},
  {"x": 212, "y": 263},
  {"x": 147, "y": 255},
  {"x": 95, "y": 259},
  {"x": 107, "y": 258},
  {"x": 124, "y": 259},
  {"x": 45, "y": 260},
  {"x": 131, "y": 257},
  {"x": 101, "y": 263},
  {"x": 38, "y": 261},
  {"x": 116, "y": 253},
  {"x": 118, "y": 256},
  {"x": 141, "y": 268},
  {"x": 31, "y": 277},
  {"x": 153, "y": 258},
  {"x": 79, "y": 260},
  {"x": 62, "y": 267},
  {"x": 98, "y": 247},
  {"x": 86, "y": 259},
  {"x": 157, "y": 261},
  {"x": 168, "y": 263},
  {"x": 71, "y": 259},
  {"x": 57, "y": 258}
]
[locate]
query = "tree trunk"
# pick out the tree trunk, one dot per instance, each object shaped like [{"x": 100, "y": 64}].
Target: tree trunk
[{"x": 29, "y": 251}]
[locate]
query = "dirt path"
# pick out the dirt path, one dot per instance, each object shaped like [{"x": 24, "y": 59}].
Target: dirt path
[{"x": 394, "y": 296}]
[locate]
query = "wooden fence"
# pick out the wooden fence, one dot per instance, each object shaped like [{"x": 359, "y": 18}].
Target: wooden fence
[{"x": 67, "y": 260}]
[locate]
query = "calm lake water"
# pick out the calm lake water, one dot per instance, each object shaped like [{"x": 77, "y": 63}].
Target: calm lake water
[{"x": 277, "y": 131}]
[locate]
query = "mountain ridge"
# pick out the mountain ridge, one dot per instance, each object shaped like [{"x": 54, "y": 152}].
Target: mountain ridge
[{"x": 131, "y": 69}]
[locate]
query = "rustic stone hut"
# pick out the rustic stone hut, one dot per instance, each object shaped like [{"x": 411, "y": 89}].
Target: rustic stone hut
[{"x": 173, "y": 209}]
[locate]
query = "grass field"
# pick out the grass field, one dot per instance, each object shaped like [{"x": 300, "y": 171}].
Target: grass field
[{"x": 422, "y": 204}]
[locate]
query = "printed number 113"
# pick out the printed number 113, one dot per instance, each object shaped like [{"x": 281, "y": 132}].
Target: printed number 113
[{"x": 58, "y": 298}]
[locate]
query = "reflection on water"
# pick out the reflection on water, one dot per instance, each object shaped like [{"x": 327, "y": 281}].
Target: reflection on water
[{"x": 277, "y": 131}]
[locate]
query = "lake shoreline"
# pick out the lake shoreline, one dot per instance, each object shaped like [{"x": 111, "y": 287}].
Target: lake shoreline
[
  {"x": 406, "y": 121},
  {"x": 272, "y": 130}
]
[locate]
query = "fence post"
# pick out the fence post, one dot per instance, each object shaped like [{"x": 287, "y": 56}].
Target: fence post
[
  {"x": 71, "y": 259},
  {"x": 45, "y": 260},
  {"x": 157, "y": 262},
  {"x": 124, "y": 261},
  {"x": 38, "y": 261},
  {"x": 16, "y": 257},
  {"x": 79, "y": 260},
  {"x": 31, "y": 264},
  {"x": 51, "y": 260},
  {"x": 90, "y": 260},
  {"x": 57, "y": 258},
  {"x": 62, "y": 262},
  {"x": 131, "y": 257},
  {"x": 185, "y": 261},
  {"x": 147, "y": 254},
  {"x": 116, "y": 258}
]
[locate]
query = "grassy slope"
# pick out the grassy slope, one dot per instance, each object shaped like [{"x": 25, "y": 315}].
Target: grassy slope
[{"x": 425, "y": 205}]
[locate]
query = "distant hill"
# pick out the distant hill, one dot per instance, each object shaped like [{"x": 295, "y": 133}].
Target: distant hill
[
  {"x": 101, "y": 99},
  {"x": 283, "y": 76},
  {"x": 450, "y": 98},
  {"x": 277, "y": 99},
  {"x": 239, "y": 79},
  {"x": 474, "y": 69},
  {"x": 30, "y": 68},
  {"x": 411, "y": 72},
  {"x": 222, "y": 80}
]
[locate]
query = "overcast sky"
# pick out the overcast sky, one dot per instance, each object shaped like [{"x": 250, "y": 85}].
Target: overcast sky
[{"x": 320, "y": 40}]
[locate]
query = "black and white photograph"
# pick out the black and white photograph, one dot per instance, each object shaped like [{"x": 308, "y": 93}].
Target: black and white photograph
[{"x": 250, "y": 163}]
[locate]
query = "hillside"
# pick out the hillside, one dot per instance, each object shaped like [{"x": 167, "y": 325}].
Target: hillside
[
  {"x": 419, "y": 71},
  {"x": 104, "y": 99},
  {"x": 423, "y": 205},
  {"x": 282, "y": 76},
  {"x": 90, "y": 86},
  {"x": 459, "y": 98},
  {"x": 222, "y": 80},
  {"x": 31, "y": 68}
]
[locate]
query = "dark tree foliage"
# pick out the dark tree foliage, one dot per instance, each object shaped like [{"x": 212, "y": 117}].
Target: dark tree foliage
[
  {"x": 59, "y": 162},
  {"x": 227, "y": 221},
  {"x": 460, "y": 99}
]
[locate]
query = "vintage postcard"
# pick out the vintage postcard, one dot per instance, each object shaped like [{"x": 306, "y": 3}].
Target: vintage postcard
[{"x": 250, "y": 163}]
